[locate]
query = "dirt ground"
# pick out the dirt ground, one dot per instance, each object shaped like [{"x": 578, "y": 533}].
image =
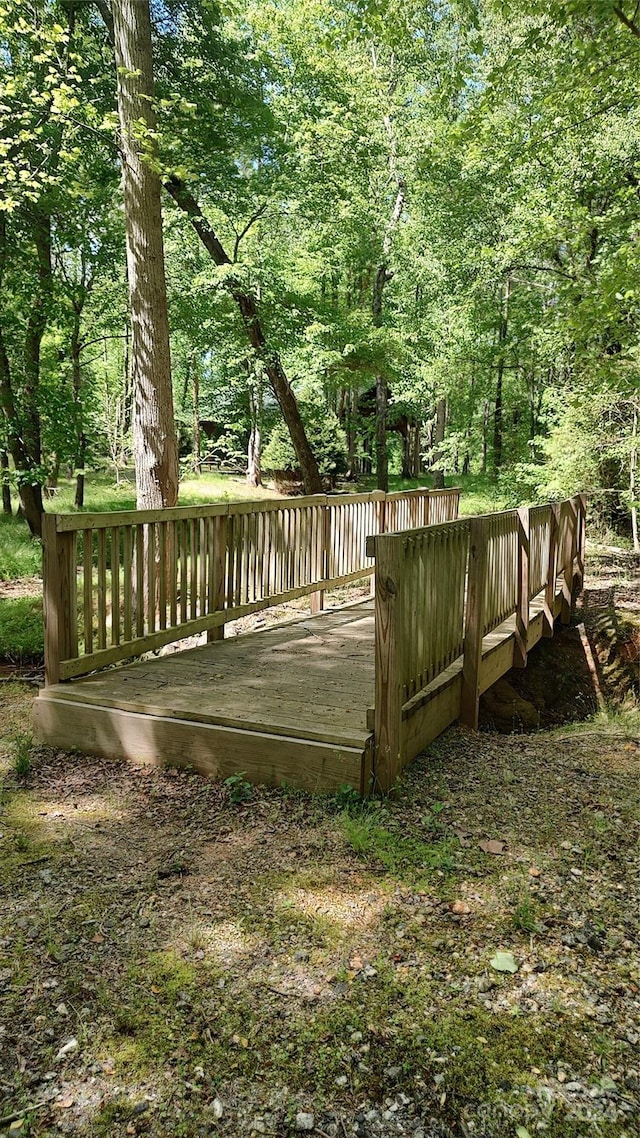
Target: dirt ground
[{"x": 179, "y": 957}]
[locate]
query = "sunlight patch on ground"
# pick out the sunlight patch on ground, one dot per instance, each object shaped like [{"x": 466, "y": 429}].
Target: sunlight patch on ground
[
  {"x": 226, "y": 943},
  {"x": 348, "y": 908}
]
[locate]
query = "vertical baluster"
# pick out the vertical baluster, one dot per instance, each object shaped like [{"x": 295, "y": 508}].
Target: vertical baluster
[
  {"x": 173, "y": 573},
  {"x": 87, "y": 589},
  {"x": 102, "y": 588},
  {"x": 115, "y": 585},
  {"x": 162, "y": 574},
  {"x": 139, "y": 580},
  {"x": 151, "y": 576},
  {"x": 127, "y": 582}
]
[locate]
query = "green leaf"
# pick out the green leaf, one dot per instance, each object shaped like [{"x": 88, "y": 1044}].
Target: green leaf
[{"x": 504, "y": 962}]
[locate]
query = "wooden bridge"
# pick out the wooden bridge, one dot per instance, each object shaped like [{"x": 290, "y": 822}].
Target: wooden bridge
[{"x": 344, "y": 696}]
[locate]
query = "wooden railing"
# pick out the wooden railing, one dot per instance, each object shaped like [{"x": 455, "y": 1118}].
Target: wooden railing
[
  {"x": 440, "y": 590},
  {"x": 117, "y": 585}
]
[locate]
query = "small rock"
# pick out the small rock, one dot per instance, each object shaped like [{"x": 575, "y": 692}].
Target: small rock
[
  {"x": 62, "y": 1010},
  {"x": 217, "y": 1109},
  {"x": 67, "y": 1049},
  {"x": 305, "y": 1121},
  {"x": 342, "y": 1081},
  {"x": 302, "y": 956}
]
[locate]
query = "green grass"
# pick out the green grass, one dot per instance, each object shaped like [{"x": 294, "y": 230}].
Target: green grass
[
  {"x": 399, "y": 855},
  {"x": 21, "y": 630},
  {"x": 20, "y": 553}
]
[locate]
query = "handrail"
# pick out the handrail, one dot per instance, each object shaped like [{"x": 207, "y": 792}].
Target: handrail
[
  {"x": 118, "y": 584},
  {"x": 441, "y": 589}
]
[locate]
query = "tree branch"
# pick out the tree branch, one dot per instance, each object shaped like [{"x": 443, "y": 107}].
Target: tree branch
[
  {"x": 628, "y": 21},
  {"x": 243, "y": 233}
]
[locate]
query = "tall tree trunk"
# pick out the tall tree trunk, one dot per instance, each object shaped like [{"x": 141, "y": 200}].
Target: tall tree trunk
[
  {"x": 248, "y": 307},
  {"x": 23, "y": 432},
  {"x": 382, "y": 455},
  {"x": 437, "y": 469},
  {"x": 196, "y": 415},
  {"x": 76, "y": 380},
  {"x": 4, "y": 476},
  {"x": 498, "y": 414},
  {"x": 254, "y": 449},
  {"x": 154, "y": 434}
]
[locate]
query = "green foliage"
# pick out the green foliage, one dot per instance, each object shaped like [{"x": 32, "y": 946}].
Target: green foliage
[
  {"x": 20, "y": 553},
  {"x": 22, "y": 746},
  {"x": 399, "y": 855},
  {"x": 21, "y": 630},
  {"x": 326, "y": 437},
  {"x": 238, "y": 789}
]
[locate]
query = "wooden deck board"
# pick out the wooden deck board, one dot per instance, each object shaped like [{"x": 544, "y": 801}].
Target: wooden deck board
[
  {"x": 288, "y": 703},
  {"x": 311, "y": 678}
]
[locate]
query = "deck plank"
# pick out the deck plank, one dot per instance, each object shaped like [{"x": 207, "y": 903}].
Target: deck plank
[{"x": 311, "y": 678}]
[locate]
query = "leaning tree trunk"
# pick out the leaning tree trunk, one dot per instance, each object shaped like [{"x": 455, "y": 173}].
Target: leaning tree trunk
[
  {"x": 154, "y": 435},
  {"x": 248, "y": 306}
]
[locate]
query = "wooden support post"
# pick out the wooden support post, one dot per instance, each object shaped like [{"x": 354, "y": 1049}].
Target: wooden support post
[
  {"x": 316, "y": 600},
  {"x": 389, "y": 555},
  {"x": 474, "y": 624},
  {"x": 522, "y": 610},
  {"x": 582, "y": 521},
  {"x": 568, "y": 555},
  {"x": 552, "y": 572},
  {"x": 380, "y": 499},
  {"x": 60, "y": 601},
  {"x": 217, "y": 578}
]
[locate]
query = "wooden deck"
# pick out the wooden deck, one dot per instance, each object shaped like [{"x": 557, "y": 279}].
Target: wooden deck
[{"x": 289, "y": 704}]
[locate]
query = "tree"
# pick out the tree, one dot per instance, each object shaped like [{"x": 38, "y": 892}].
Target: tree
[{"x": 154, "y": 437}]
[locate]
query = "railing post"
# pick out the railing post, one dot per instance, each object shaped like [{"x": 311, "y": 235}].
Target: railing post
[
  {"x": 316, "y": 600},
  {"x": 474, "y": 624},
  {"x": 380, "y": 499},
  {"x": 389, "y": 555},
  {"x": 60, "y": 606},
  {"x": 552, "y": 572},
  {"x": 522, "y": 610},
  {"x": 218, "y": 555},
  {"x": 582, "y": 521},
  {"x": 567, "y": 566}
]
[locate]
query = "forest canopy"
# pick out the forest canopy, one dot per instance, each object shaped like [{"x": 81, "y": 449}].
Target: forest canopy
[{"x": 396, "y": 235}]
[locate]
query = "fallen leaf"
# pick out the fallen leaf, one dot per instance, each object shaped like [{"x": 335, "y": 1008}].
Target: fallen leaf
[
  {"x": 504, "y": 962},
  {"x": 492, "y": 846},
  {"x": 522, "y": 1132},
  {"x": 534, "y": 871}
]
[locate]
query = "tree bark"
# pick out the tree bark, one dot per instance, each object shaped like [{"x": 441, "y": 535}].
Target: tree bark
[
  {"x": 76, "y": 382},
  {"x": 19, "y": 438},
  {"x": 248, "y": 307},
  {"x": 438, "y": 439},
  {"x": 498, "y": 414},
  {"x": 254, "y": 449},
  {"x": 196, "y": 416},
  {"x": 154, "y": 435}
]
